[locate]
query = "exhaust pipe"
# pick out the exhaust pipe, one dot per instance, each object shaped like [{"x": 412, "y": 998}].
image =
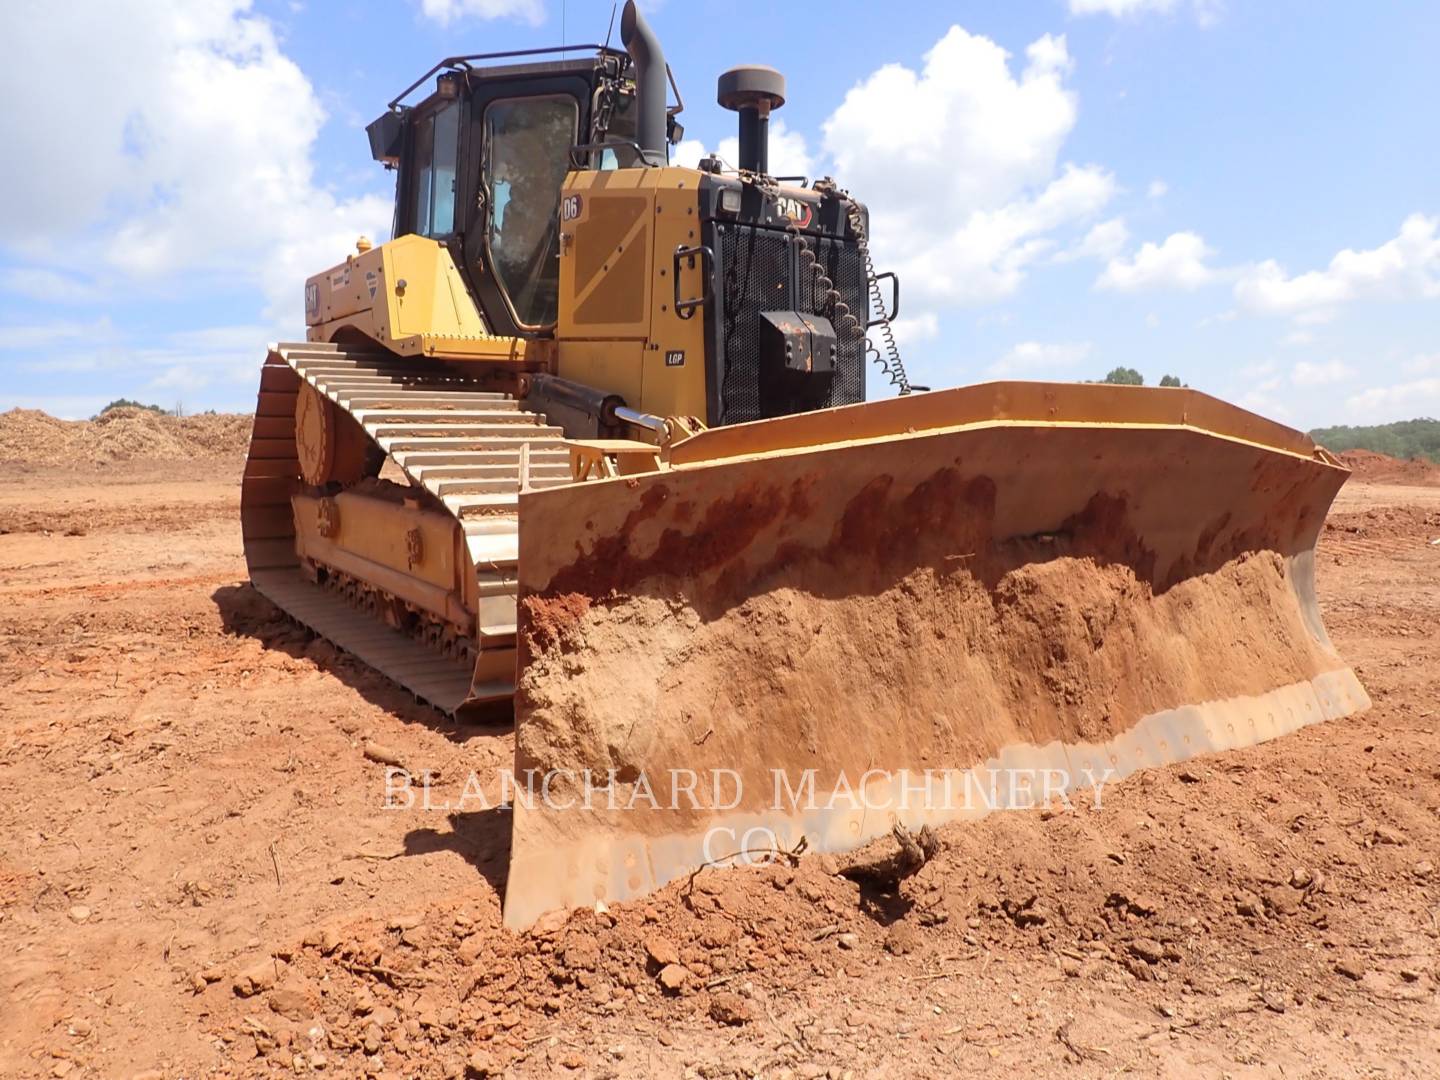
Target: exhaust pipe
[
  {"x": 754, "y": 92},
  {"x": 650, "y": 84}
]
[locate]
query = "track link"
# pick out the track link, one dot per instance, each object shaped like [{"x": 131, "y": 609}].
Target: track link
[{"x": 451, "y": 437}]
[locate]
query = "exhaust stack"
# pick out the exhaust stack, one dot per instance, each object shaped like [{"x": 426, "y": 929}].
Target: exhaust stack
[
  {"x": 753, "y": 91},
  {"x": 650, "y": 84}
]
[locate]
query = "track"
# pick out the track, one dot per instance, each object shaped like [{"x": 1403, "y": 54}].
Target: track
[{"x": 459, "y": 442}]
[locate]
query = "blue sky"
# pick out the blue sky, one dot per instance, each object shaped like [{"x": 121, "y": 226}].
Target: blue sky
[{"x": 1241, "y": 194}]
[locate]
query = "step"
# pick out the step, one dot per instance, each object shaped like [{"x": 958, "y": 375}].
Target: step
[
  {"x": 342, "y": 362},
  {"x": 402, "y": 444},
  {"x": 406, "y": 414},
  {"x": 461, "y": 505},
  {"x": 490, "y": 471},
  {"x": 556, "y": 460},
  {"x": 407, "y": 382},
  {"x": 423, "y": 397},
  {"x": 453, "y": 434},
  {"x": 382, "y": 368},
  {"x": 318, "y": 351},
  {"x": 494, "y": 526},
  {"x": 493, "y": 485},
  {"x": 494, "y": 551},
  {"x": 408, "y": 379}
]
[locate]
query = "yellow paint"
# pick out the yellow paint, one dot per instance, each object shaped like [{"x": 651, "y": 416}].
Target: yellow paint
[
  {"x": 407, "y": 295},
  {"x": 370, "y": 543},
  {"x": 996, "y": 404},
  {"x": 617, "y": 324},
  {"x": 628, "y": 356}
]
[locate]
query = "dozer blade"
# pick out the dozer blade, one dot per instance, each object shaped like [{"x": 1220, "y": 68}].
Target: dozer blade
[{"x": 816, "y": 626}]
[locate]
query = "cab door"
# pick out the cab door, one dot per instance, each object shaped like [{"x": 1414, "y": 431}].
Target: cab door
[{"x": 519, "y": 136}]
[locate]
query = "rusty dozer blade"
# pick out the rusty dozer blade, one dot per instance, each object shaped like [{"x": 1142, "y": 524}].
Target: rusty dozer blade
[{"x": 816, "y": 626}]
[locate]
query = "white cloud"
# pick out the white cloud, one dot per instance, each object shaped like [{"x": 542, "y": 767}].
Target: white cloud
[
  {"x": 1306, "y": 373},
  {"x": 1422, "y": 365},
  {"x": 35, "y": 336},
  {"x": 1400, "y": 401},
  {"x": 1104, "y": 241},
  {"x": 195, "y": 157},
  {"x": 984, "y": 259},
  {"x": 1177, "y": 263},
  {"x": 912, "y": 330},
  {"x": 1219, "y": 317},
  {"x": 445, "y": 12},
  {"x": 1206, "y": 11},
  {"x": 788, "y": 154},
  {"x": 959, "y": 164},
  {"x": 1296, "y": 338},
  {"x": 50, "y": 286},
  {"x": 1404, "y": 267},
  {"x": 1260, "y": 382},
  {"x": 1031, "y": 357},
  {"x": 219, "y": 355},
  {"x": 688, "y": 152},
  {"x": 1120, "y": 8},
  {"x": 1157, "y": 189}
]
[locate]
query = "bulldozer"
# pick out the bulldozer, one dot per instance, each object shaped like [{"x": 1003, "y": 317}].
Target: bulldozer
[{"x": 585, "y": 447}]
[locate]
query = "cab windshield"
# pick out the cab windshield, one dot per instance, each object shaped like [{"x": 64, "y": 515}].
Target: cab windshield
[{"x": 528, "y": 144}]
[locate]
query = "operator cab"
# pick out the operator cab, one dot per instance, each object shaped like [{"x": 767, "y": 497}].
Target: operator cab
[
  {"x": 480, "y": 164},
  {"x": 723, "y": 294}
]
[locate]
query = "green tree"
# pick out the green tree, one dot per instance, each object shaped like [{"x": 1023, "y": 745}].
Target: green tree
[
  {"x": 1125, "y": 376},
  {"x": 1171, "y": 380},
  {"x": 1403, "y": 439},
  {"x": 126, "y": 403}
]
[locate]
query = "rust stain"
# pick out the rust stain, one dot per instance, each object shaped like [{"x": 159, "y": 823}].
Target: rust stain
[
  {"x": 1208, "y": 534},
  {"x": 1102, "y": 530},
  {"x": 727, "y": 530},
  {"x": 946, "y": 521},
  {"x": 877, "y": 531},
  {"x": 800, "y": 505}
]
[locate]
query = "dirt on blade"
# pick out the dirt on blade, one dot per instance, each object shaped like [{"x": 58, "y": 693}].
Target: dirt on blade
[{"x": 199, "y": 874}]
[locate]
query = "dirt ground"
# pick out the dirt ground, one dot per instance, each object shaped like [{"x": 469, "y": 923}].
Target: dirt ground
[{"x": 198, "y": 875}]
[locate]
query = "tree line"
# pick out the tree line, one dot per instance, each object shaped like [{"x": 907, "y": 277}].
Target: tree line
[
  {"x": 1128, "y": 376},
  {"x": 1402, "y": 439}
]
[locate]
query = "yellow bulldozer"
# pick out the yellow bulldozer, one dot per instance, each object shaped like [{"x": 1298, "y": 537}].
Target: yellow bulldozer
[{"x": 586, "y": 445}]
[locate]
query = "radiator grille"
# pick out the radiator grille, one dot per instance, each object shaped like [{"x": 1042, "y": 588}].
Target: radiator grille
[{"x": 756, "y": 271}]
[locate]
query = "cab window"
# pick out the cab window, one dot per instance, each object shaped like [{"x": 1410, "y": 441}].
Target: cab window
[
  {"x": 622, "y": 128},
  {"x": 528, "y": 144},
  {"x": 433, "y": 188}
]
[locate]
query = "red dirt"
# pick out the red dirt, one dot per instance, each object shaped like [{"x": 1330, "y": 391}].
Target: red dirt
[
  {"x": 1375, "y": 468},
  {"x": 186, "y": 816}
]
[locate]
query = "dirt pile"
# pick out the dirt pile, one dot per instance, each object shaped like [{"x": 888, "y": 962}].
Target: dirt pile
[
  {"x": 1375, "y": 468},
  {"x": 201, "y": 876},
  {"x": 1394, "y": 527},
  {"x": 1182, "y": 880},
  {"x": 32, "y": 437},
  {"x": 773, "y": 619}
]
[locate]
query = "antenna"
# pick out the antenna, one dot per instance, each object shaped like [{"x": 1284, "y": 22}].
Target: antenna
[{"x": 611, "y": 27}]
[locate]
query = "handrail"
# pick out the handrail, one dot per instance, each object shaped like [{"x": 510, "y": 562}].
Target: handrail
[{"x": 462, "y": 63}]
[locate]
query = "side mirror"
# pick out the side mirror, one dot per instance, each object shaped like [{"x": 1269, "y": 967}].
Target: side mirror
[{"x": 386, "y": 132}]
